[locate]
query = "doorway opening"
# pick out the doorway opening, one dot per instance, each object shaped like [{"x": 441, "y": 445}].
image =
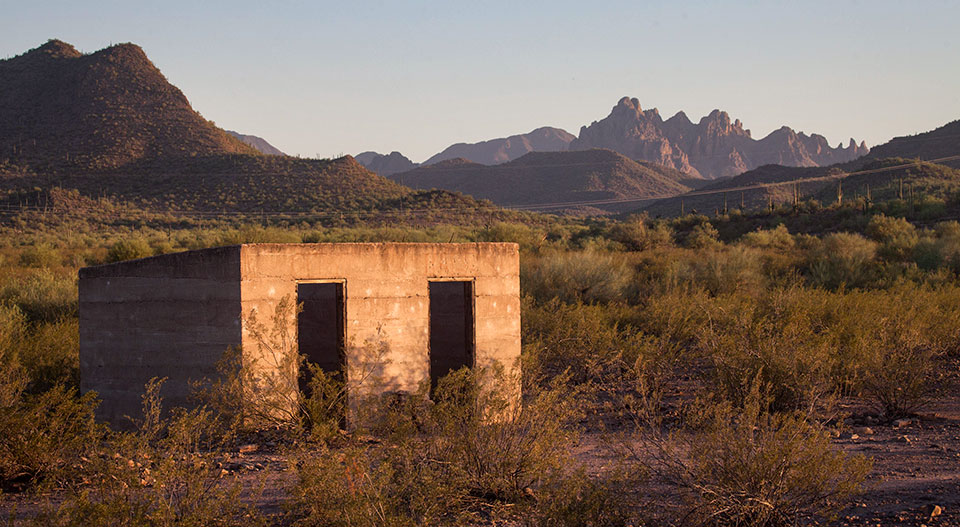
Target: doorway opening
[
  {"x": 321, "y": 333},
  {"x": 451, "y": 328}
]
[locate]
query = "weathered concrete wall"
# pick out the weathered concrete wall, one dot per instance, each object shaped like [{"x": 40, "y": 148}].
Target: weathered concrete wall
[
  {"x": 168, "y": 316},
  {"x": 175, "y": 315},
  {"x": 387, "y": 300}
]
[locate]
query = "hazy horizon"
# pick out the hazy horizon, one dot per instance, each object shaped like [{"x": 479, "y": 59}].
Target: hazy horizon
[{"x": 329, "y": 79}]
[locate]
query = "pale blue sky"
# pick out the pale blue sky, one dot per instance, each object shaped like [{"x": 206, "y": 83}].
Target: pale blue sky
[{"x": 344, "y": 77}]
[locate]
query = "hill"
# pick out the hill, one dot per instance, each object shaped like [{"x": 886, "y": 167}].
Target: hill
[
  {"x": 60, "y": 109},
  {"x": 713, "y": 148},
  {"x": 259, "y": 143},
  {"x": 541, "y": 178},
  {"x": 495, "y": 151},
  {"x": 935, "y": 144}
]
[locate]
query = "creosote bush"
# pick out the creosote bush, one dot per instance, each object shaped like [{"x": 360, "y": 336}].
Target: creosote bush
[
  {"x": 745, "y": 465},
  {"x": 163, "y": 473},
  {"x": 470, "y": 447}
]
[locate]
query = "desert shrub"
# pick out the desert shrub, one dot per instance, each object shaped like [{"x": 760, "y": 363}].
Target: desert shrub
[
  {"x": 772, "y": 341},
  {"x": 722, "y": 271},
  {"x": 744, "y": 465},
  {"x": 40, "y": 256},
  {"x": 896, "y": 236},
  {"x": 42, "y": 296},
  {"x": 777, "y": 238},
  {"x": 129, "y": 249},
  {"x": 163, "y": 473},
  {"x": 529, "y": 238},
  {"x": 501, "y": 446},
  {"x": 843, "y": 260},
  {"x": 576, "y": 499},
  {"x": 586, "y": 346},
  {"x": 701, "y": 236},
  {"x": 900, "y": 379},
  {"x": 256, "y": 234},
  {"x": 588, "y": 276},
  {"x": 440, "y": 463},
  {"x": 263, "y": 391},
  {"x": 49, "y": 353},
  {"x": 42, "y": 436},
  {"x": 637, "y": 235}
]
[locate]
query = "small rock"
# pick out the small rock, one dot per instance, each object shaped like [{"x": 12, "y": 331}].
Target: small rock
[
  {"x": 902, "y": 423},
  {"x": 224, "y": 472},
  {"x": 864, "y": 431},
  {"x": 932, "y": 510},
  {"x": 248, "y": 449}
]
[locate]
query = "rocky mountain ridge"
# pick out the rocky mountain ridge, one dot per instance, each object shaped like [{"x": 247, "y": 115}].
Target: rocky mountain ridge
[{"x": 715, "y": 147}]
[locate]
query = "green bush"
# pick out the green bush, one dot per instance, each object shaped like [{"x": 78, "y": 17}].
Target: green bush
[
  {"x": 40, "y": 256},
  {"x": 896, "y": 236},
  {"x": 587, "y": 276},
  {"x": 129, "y": 250},
  {"x": 42, "y": 296},
  {"x": 777, "y": 238},
  {"x": 702, "y": 236},
  {"x": 843, "y": 260}
]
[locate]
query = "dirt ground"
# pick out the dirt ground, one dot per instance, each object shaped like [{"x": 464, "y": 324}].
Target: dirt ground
[{"x": 915, "y": 479}]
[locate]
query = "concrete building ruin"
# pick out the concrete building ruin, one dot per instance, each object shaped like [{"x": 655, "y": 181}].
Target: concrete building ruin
[{"x": 432, "y": 308}]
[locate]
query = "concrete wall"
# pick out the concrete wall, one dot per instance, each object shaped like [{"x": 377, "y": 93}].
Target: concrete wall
[
  {"x": 175, "y": 315},
  {"x": 387, "y": 300},
  {"x": 167, "y": 316}
]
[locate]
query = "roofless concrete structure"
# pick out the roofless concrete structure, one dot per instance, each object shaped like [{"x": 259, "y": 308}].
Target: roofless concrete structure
[{"x": 430, "y": 307}]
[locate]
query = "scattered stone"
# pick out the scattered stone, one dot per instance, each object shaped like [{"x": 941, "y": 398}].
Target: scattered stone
[
  {"x": 248, "y": 449},
  {"x": 902, "y": 423},
  {"x": 864, "y": 431},
  {"x": 932, "y": 510}
]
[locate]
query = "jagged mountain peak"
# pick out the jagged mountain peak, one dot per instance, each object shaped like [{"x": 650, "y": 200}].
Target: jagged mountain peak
[{"x": 716, "y": 146}]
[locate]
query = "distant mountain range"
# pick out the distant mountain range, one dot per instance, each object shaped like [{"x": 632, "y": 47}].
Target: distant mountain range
[
  {"x": 110, "y": 123},
  {"x": 492, "y": 152},
  {"x": 551, "y": 177},
  {"x": 884, "y": 166},
  {"x": 713, "y": 148},
  {"x": 496, "y": 151},
  {"x": 385, "y": 165},
  {"x": 259, "y": 143}
]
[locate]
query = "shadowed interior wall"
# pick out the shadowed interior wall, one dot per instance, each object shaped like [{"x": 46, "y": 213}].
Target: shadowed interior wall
[
  {"x": 169, "y": 316},
  {"x": 451, "y": 327}
]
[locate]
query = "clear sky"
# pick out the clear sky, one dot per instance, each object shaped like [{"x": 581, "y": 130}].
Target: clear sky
[{"x": 325, "y": 78}]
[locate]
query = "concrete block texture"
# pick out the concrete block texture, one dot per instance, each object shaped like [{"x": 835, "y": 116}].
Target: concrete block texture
[{"x": 177, "y": 314}]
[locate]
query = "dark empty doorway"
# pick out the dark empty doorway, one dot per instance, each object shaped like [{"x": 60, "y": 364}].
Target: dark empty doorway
[
  {"x": 320, "y": 329},
  {"x": 451, "y": 327}
]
